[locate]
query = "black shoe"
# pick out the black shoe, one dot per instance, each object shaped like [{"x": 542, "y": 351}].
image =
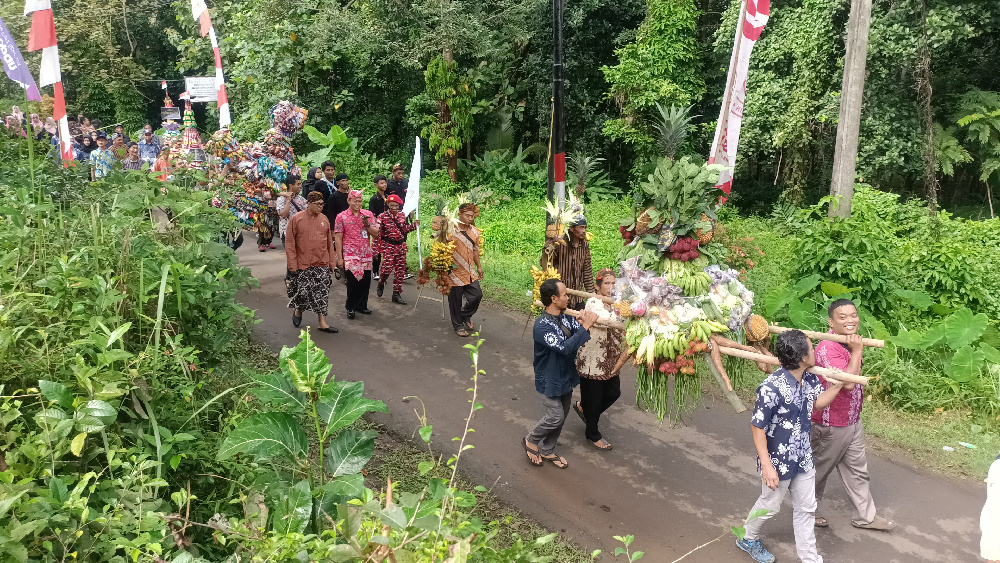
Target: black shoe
[
  {"x": 350, "y": 314},
  {"x": 330, "y": 329},
  {"x": 398, "y": 298},
  {"x": 296, "y": 320},
  {"x": 380, "y": 289},
  {"x": 365, "y": 311},
  {"x": 336, "y": 273}
]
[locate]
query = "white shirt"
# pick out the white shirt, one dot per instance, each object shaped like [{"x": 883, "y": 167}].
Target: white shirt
[{"x": 989, "y": 521}]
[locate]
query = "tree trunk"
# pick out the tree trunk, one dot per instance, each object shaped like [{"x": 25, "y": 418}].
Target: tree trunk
[
  {"x": 925, "y": 93},
  {"x": 851, "y": 98}
]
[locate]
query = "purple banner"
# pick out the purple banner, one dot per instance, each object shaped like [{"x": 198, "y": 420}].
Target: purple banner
[{"x": 13, "y": 63}]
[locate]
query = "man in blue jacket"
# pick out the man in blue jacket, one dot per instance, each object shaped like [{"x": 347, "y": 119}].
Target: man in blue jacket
[{"x": 557, "y": 337}]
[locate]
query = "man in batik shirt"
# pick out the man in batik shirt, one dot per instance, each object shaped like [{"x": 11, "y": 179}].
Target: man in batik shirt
[
  {"x": 353, "y": 231},
  {"x": 780, "y": 429}
]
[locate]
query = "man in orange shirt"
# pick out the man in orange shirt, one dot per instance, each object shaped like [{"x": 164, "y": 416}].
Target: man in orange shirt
[
  {"x": 311, "y": 257},
  {"x": 465, "y": 294}
]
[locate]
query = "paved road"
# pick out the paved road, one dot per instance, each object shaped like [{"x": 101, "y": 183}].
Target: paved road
[{"x": 673, "y": 488}]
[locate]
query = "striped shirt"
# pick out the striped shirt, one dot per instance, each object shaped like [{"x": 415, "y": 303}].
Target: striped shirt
[
  {"x": 464, "y": 256},
  {"x": 573, "y": 264}
]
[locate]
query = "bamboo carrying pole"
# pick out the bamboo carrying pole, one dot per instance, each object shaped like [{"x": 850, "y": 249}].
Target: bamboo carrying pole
[
  {"x": 600, "y": 322},
  {"x": 830, "y": 374},
  {"x": 871, "y": 342},
  {"x": 727, "y": 389},
  {"x": 578, "y": 293}
]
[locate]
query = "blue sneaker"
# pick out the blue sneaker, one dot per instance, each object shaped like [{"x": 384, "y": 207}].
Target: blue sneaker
[{"x": 756, "y": 550}]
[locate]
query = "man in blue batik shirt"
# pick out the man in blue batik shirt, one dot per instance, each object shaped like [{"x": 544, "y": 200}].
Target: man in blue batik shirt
[
  {"x": 557, "y": 338},
  {"x": 780, "y": 427}
]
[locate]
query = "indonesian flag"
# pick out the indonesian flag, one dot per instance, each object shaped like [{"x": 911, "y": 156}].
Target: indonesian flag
[
  {"x": 35, "y": 5},
  {"x": 163, "y": 85},
  {"x": 43, "y": 36},
  {"x": 753, "y": 16},
  {"x": 200, "y": 12},
  {"x": 185, "y": 95}
]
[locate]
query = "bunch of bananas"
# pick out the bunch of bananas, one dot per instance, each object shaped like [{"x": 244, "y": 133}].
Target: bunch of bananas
[
  {"x": 441, "y": 256},
  {"x": 702, "y": 330},
  {"x": 694, "y": 284},
  {"x": 624, "y": 309},
  {"x": 540, "y": 276}
]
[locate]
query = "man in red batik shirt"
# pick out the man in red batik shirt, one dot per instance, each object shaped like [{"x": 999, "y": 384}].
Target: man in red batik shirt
[{"x": 838, "y": 440}]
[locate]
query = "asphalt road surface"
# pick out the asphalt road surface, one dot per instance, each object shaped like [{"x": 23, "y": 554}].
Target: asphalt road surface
[{"x": 673, "y": 488}]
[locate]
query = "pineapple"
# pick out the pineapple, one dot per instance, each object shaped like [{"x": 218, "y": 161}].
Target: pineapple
[{"x": 705, "y": 237}]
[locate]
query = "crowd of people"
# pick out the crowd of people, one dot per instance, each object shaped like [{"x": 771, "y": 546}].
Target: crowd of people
[
  {"x": 92, "y": 143},
  {"x": 327, "y": 233},
  {"x": 803, "y": 426}
]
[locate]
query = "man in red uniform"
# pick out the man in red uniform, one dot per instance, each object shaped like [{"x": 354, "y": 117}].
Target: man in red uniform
[
  {"x": 393, "y": 228},
  {"x": 838, "y": 440}
]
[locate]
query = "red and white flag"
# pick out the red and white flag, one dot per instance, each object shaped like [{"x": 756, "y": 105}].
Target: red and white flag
[
  {"x": 753, "y": 16},
  {"x": 163, "y": 85},
  {"x": 200, "y": 13},
  {"x": 185, "y": 95},
  {"x": 43, "y": 36}
]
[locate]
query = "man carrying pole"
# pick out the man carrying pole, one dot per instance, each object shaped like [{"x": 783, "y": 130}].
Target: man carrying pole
[{"x": 838, "y": 440}]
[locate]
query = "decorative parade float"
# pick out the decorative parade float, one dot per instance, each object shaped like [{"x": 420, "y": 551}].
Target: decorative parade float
[{"x": 677, "y": 299}]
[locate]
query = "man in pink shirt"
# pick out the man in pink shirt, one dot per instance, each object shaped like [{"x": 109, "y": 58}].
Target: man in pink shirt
[
  {"x": 838, "y": 440},
  {"x": 352, "y": 231}
]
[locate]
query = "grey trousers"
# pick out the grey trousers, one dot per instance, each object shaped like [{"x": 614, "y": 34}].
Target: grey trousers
[
  {"x": 803, "y": 490},
  {"x": 546, "y": 432},
  {"x": 843, "y": 448}
]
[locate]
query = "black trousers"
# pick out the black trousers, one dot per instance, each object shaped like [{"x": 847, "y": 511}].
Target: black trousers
[
  {"x": 377, "y": 264},
  {"x": 357, "y": 290},
  {"x": 596, "y": 396},
  {"x": 463, "y": 302}
]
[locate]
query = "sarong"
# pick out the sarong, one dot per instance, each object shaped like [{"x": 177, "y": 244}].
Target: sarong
[{"x": 309, "y": 289}]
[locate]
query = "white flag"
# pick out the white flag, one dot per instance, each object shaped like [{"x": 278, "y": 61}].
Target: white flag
[{"x": 413, "y": 188}]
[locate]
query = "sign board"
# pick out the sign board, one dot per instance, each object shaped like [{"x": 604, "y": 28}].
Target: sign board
[
  {"x": 170, "y": 113},
  {"x": 202, "y": 88}
]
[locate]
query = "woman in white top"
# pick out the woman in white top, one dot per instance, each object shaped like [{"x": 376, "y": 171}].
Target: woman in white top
[{"x": 599, "y": 363}]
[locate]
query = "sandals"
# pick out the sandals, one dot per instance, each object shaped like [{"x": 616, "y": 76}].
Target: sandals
[
  {"x": 602, "y": 444},
  {"x": 879, "y": 523},
  {"x": 330, "y": 329},
  {"x": 556, "y": 460},
  {"x": 532, "y": 450},
  {"x": 821, "y": 522},
  {"x": 463, "y": 332},
  {"x": 470, "y": 325},
  {"x": 579, "y": 411}
]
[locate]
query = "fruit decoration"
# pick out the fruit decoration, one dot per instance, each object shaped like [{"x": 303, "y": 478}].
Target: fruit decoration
[{"x": 539, "y": 276}]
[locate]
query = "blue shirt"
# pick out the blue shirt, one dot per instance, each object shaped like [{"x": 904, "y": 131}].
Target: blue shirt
[
  {"x": 783, "y": 410},
  {"x": 148, "y": 151},
  {"x": 555, "y": 354}
]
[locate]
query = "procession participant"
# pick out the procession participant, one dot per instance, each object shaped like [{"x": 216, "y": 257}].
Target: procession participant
[
  {"x": 149, "y": 148},
  {"x": 289, "y": 203},
  {"x": 120, "y": 134},
  {"x": 780, "y": 429},
  {"x": 989, "y": 518},
  {"x": 557, "y": 339},
  {"x": 571, "y": 257},
  {"x": 163, "y": 165},
  {"x": 343, "y": 187},
  {"x": 315, "y": 175},
  {"x": 398, "y": 184},
  {"x": 353, "y": 230},
  {"x": 101, "y": 159},
  {"x": 132, "y": 160},
  {"x": 838, "y": 439},
  {"x": 394, "y": 227},
  {"x": 310, "y": 256},
  {"x": 325, "y": 187},
  {"x": 118, "y": 148},
  {"x": 265, "y": 222},
  {"x": 599, "y": 363},
  {"x": 377, "y": 206},
  {"x": 465, "y": 294}
]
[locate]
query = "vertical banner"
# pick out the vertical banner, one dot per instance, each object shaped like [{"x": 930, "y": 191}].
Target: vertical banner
[
  {"x": 412, "y": 202},
  {"x": 14, "y": 65},
  {"x": 753, "y": 16},
  {"x": 43, "y": 36},
  {"x": 200, "y": 12}
]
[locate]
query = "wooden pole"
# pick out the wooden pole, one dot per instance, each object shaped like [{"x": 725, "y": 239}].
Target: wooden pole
[
  {"x": 578, "y": 293},
  {"x": 728, "y": 393},
  {"x": 834, "y": 375},
  {"x": 870, "y": 342},
  {"x": 600, "y": 322}
]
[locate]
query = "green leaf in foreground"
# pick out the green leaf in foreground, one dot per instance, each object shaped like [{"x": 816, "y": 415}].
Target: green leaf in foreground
[
  {"x": 266, "y": 435},
  {"x": 341, "y": 404},
  {"x": 350, "y": 451},
  {"x": 964, "y": 328},
  {"x": 292, "y": 508},
  {"x": 305, "y": 365},
  {"x": 56, "y": 392},
  {"x": 966, "y": 364}
]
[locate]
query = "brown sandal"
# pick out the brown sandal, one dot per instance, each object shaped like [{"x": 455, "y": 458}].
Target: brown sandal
[
  {"x": 556, "y": 460},
  {"x": 462, "y": 332},
  {"x": 821, "y": 522},
  {"x": 532, "y": 450},
  {"x": 603, "y": 444}
]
